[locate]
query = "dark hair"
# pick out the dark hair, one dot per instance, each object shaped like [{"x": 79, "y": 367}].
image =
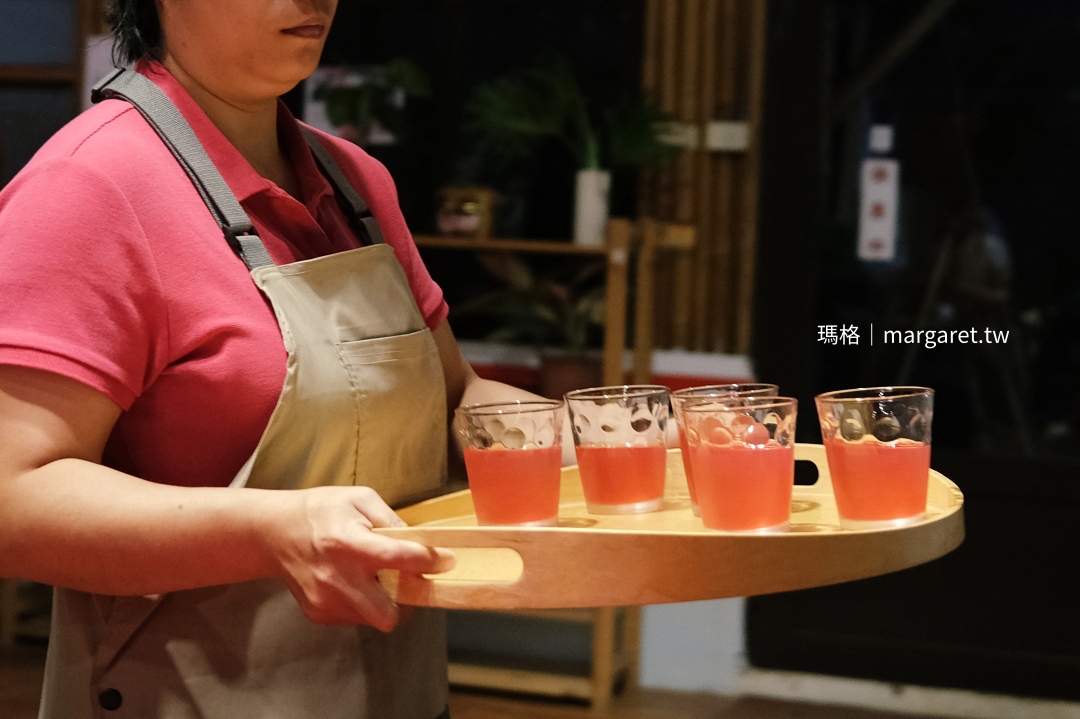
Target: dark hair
[{"x": 136, "y": 30}]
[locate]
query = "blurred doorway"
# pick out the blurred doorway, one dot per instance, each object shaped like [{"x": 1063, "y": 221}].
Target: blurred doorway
[{"x": 983, "y": 103}]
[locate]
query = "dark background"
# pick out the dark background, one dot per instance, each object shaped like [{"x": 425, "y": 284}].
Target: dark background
[{"x": 985, "y": 110}]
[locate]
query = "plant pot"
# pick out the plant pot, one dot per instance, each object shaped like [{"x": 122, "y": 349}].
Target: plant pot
[
  {"x": 591, "y": 207},
  {"x": 562, "y": 373}
]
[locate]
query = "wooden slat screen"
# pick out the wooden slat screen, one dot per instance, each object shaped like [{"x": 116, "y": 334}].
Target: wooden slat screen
[{"x": 704, "y": 61}]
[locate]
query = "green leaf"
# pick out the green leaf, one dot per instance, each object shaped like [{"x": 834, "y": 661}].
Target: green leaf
[
  {"x": 513, "y": 112},
  {"x": 634, "y": 137},
  {"x": 404, "y": 73}
]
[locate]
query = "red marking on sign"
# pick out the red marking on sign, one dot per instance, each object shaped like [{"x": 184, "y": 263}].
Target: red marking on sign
[
  {"x": 876, "y": 245},
  {"x": 880, "y": 174},
  {"x": 877, "y": 210}
]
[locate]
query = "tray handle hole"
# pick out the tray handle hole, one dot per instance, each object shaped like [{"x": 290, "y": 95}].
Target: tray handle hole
[
  {"x": 483, "y": 565},
  {"x": 806, "y": 473}
]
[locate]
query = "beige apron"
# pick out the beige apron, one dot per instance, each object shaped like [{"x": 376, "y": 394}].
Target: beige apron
[{"x": 363, "y": 404}]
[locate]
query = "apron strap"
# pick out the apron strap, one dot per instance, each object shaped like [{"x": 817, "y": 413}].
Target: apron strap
[
  {"x": 178, "y": 136},
  {"x": 364, "y": 223}
]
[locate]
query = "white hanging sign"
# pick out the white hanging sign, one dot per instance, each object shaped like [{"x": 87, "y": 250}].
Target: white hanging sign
[{"x": 879, "y": 208}]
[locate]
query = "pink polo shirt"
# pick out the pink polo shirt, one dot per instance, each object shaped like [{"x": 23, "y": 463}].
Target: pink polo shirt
[{"x": 114, "y": 273}]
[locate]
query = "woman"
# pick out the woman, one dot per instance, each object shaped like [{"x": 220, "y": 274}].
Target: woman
[{"x": 160, "y": 342}]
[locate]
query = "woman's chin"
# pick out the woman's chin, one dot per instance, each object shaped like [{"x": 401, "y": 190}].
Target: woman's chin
[
  {"x": 287, "y": 78},
  {"x": 302, "y": 70}
]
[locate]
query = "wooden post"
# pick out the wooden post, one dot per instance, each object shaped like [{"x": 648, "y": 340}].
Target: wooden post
[
  {"x": 603, "y": 650},
  {"x": 631, "y": 645},
  {"x": 650, "y": 82},
  {"x": 651, "y": 54},
  {"x": 643, "y": 302},
  {"x": 95, "y": 18},
  {"x": 664, "y": 189},
  {"x": 619, "y": 232},
  {"x": 751, "y": 177},
  {"x": 660, "y": 179},
  {"x": 688, "y": 110},
  {"x": 703, "y": 278},
  {"x": 669, "y": 52},
  {"x": 704, "y": 60},
  {"x": 721, "y": 303}
]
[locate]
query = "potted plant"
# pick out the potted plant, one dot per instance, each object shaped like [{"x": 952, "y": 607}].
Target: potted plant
[
  {"x": 367, "y": 104},
  {"x": 561, "y": 314},
  {"x": 512, "y": 113}
]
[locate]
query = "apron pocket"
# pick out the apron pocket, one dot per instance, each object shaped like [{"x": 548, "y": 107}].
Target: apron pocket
[
  {"x": 401, "y": 399},
  {"x": 383, "y": 349}
]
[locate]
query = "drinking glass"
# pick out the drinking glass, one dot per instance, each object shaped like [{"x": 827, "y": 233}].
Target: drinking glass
[
  {"x": 877, "y": 440},
  {"x": 513, "y": 458},
  {"x": 619, "y": 438},
  {"x": 703, "y": 393},
  {"x": 742, "y": 454}
]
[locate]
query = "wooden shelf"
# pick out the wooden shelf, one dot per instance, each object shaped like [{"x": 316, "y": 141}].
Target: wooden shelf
[
  {"x": 573, "y": 614},
  {"x": 613, "y": 664},
  {"x": 507, "y": 245},
  {"x": 582, "y": 616},
  {"x": 649, "y": 238},
  {"x": 613, "y": 658},
  {"x": 616, "y": 249},
  {"x": 549, "y": 682},
  {"x": 35, "y": 74}
]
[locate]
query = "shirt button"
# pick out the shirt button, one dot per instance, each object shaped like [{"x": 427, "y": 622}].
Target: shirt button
[{"x": 110, "y": 699}]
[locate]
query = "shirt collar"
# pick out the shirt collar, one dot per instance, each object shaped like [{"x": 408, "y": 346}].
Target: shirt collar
[
  {"x": 313, "y": 184},
  {"x": 237, "y": 172}
]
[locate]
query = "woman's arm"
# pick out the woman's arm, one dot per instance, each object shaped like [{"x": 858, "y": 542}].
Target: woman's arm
[
  {"x": 463, "y": 386},
  {"x": 67, "y": 520}
]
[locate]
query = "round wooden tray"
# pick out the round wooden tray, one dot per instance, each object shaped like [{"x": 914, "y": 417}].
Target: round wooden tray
[{"x": 594, "y": 560}]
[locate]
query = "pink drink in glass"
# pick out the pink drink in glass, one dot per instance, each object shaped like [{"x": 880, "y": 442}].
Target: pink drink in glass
[
  {"x": 515, "y": 486},
  {"x": 621, "y": 476},
  {"x": 742, "y": 487},
  {"x": 875, "y": 481},
  {"x": 706, "y": 393}
]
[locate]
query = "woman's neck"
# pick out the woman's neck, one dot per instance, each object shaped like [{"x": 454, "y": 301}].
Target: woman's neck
[{"x": 251, "y": 127}]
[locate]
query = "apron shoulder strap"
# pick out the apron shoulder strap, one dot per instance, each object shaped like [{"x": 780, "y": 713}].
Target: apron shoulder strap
[
  {"x": 354, "y": 206},
  {"x": 178, "y": 136}
]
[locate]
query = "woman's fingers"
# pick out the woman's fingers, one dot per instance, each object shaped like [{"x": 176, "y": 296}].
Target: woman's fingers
[
  {"x": 349, "y": 603},
  {"x": 331, "y": 558},
  {"x": 395, "y": 553},
  {"x": 356, "y": 597},
  {"x": 375, "y": 607},
  {"x": 410, "y": 557}
]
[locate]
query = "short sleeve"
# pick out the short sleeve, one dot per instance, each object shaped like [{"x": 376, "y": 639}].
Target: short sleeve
[{"x": 81, "y": 294}]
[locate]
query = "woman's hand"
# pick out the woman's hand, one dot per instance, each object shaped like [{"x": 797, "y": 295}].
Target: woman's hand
[{"x": 329, "y": 556}]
